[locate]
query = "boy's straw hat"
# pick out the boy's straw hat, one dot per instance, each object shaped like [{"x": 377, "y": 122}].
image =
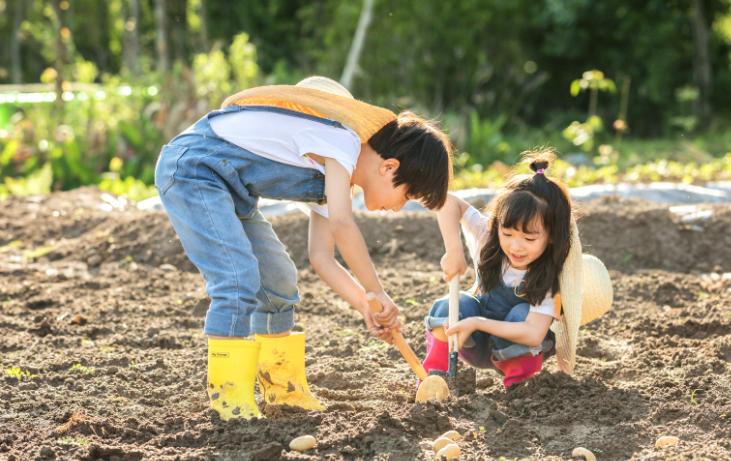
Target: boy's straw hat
[
  {"x": 321, "y": 97},
  {"x": 585, "y": 294},
  {"x": 318, "y": 82}
]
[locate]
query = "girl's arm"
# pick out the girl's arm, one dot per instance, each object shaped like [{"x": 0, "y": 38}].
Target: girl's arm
[
  {"x": 453, "y": 262},
  {"x": 530, "y": 332}
]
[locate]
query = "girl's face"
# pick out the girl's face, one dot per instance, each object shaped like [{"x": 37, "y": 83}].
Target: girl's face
[{"x": 523, "y": 246}]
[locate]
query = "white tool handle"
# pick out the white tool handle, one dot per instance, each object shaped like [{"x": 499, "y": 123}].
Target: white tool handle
[{"x": 453, "y": 310}]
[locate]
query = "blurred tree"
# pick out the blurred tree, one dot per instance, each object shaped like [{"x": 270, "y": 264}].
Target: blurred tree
[
  {"x": 131, "y": 41},
  {"x": 701, "y": 60},
  {"x": 161, "y": 41},
  {"x": 16, "y": 66},
  {"x": 491, "y": 57}
]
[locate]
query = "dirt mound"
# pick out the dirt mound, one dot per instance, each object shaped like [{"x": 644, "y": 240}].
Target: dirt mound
[{"x": 103, "y": 357}]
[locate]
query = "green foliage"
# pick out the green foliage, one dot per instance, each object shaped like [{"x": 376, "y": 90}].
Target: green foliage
[
  {"x": 74, "y": 440},
  {"x": 45, "y": 149},
  {"x": 718, "y": 169},
  {"x": 36, "y": 183},
  {"x": 582, "y": 134},
  {"x": 84, "y": 370},
  {"x": 19, "y": 374},
  {"x": 594, "y": 81},
  {"x": 132, "y": 188}
]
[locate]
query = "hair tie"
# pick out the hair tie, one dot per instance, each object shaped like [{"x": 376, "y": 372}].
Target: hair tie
[{"x": 540, "y": 170}]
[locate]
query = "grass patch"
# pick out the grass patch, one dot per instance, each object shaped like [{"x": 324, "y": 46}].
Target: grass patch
[
  {"x": 79, "y": 368},
  {"x": 75, "y": 440},
  {"x": 19, "y": 374},
  {"x": 38, "y": 252}
]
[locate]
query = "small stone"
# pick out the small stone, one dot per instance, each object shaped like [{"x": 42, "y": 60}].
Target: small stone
[{"x": 666, "y": 441}]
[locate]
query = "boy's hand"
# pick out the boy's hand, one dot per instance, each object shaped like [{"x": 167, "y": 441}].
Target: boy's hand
[
  {"x": 388, "y": 317},
  {"x": 453, "y": 263},
  {"x": 464, "y": 329},
  {"x": 374, "y": 328}
]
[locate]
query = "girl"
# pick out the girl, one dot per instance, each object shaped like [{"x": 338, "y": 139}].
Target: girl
[{"x": 519, "y": 250}]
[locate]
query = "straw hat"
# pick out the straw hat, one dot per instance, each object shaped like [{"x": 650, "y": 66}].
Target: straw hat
[
  {"x": 318, "y": 82},
  {"x": 321, "y": 97},
  {"x": 585, "y": 294}
]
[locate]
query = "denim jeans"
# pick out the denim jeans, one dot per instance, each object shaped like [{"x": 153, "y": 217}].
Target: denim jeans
[
  {"x": 210, "y": 189},
  {"x": 501, "y": 303}
]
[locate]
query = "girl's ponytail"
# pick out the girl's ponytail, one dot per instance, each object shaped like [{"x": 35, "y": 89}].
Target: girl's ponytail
[{"x": 539, "y": 159}]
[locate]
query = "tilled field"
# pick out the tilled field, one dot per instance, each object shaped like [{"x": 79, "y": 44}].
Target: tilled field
[{"x": 103, "y": 355}]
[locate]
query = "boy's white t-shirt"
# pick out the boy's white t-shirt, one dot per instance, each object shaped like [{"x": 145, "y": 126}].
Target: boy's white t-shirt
[
  {"x": 288, "y": 139},
  {"x": 476, "y": 231}
]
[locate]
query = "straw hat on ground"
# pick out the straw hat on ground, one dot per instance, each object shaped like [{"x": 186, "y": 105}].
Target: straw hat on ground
[
  {"x": 321, "y": 97},
  {"x": 585, "y": 294}
]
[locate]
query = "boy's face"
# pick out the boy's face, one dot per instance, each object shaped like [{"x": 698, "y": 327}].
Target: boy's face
[
  {"x": 522, "y": 247},
  {"x": 380, "y": 194}
]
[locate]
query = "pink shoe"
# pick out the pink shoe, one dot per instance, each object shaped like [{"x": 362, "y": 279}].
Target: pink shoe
[
  {"x": 437, "y": 354},
  {"x": 519, "y": 369}
]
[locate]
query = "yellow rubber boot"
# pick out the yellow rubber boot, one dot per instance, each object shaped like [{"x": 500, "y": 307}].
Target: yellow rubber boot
[
  {"x": 282, "y": 372},
  {"x": 232, "y": 365}
]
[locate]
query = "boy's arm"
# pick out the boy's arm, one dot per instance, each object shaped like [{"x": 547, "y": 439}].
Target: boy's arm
[
  {"x": 321, "y": 251},
  {"x": 453, "y": 262},
  {"x": 350, "y": 242}
]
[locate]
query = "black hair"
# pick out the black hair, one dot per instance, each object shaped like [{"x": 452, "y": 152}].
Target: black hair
[
  {"x": 424, "y": 154},
  {"x": 523, "y": 199}
]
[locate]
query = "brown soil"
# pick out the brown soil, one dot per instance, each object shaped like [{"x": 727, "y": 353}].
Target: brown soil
[{"x": 104, "y": 313}]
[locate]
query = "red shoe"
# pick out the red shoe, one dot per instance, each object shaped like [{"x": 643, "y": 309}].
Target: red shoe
[{"x": 519, "y": 369}]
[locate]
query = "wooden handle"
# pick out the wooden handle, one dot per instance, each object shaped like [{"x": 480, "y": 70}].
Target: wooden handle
[
  {"x": 453, "y": 311},
  {"x": 398, "y": 340}
]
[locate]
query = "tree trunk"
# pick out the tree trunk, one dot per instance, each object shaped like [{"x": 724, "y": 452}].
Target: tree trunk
[
  {"x": 701, "y": 62},
  {"x": 131, "y": 37},
  {"x": 161, "y": 42},
  {"x": 60, "y": 57},
  {"x": 16, "y": 63},
  {"x": 204, "y": 26},
  {"x": 351, "y": 65},
  {"x": 179, "y": 29}
]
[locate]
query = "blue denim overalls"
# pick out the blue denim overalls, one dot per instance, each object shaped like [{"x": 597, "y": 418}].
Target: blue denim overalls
[
  {"x": 210, "y": 188},
  {"x": 500, "y": 303}
]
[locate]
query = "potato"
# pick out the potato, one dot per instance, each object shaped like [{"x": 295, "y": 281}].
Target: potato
[
  {"x": 440, "y": 443},
  {"x": 666, "y": 441},
  {"x": 583, "y": 452},
  {"x": 450, "y": 451},
  {"x": 452, "y": 435},
  {"x": 302, "y": 443},
  {"x": 433, "y": 389}
]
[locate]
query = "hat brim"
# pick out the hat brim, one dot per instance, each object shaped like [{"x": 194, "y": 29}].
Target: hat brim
[
  {"x": 363, "y": 118},
  {"x": 566, "y": 328}
]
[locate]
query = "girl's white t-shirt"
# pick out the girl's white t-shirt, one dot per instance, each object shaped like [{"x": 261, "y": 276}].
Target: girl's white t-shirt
[
  {"x": 289, "y": 139},
  {"x": 476, "y": 232}
]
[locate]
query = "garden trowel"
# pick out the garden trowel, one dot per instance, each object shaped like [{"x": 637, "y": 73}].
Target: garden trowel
[{"x": 431, "y": 388}]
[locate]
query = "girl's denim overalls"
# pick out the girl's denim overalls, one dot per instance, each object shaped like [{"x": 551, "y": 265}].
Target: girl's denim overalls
[
  {"x": 500, "y": 303},
  {"x": 210, "y": 188}
]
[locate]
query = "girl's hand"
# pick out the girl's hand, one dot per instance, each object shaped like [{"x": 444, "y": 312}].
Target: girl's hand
[
  {"x": 464, "y": 329},
  {"x": 453, "y": 263}
]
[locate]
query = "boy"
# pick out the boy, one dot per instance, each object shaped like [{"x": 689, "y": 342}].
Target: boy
[{"x": 310, "y": 143}]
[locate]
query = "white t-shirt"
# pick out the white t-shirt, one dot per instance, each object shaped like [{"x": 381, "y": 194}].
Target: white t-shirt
[
  {"x": 476, "y": 232},
  {"x": 288, "y": 139}
]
